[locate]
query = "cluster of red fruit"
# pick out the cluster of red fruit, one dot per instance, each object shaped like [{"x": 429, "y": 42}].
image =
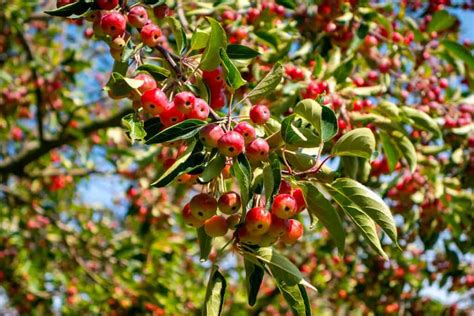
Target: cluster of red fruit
[
  {"x": 260, "y": 227},
  {"x": 107, "y": 22},
  {"x": 215, "y": 82},
  {"x": 241, "y": 138},
  {"x": 185, "y": 105}
]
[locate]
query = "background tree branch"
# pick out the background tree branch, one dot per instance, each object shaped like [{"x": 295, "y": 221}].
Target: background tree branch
[{"x": 34, "y": 150}]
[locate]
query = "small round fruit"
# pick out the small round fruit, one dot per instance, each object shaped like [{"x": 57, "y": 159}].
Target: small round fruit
[
  {"x": 284, "y": 206},
  {"x": 171, "y": 116},
  {"x": 210, "y": 135},
  {"x": 117, "y": 43},
  {"x": 246, "y": 130},
  {"x": 184, "y": 101},
  {"x": 154, "y": 101},
  {"x": 116, "y": 54},
  {"x": 293, "y": 232},
  {"x": 278, "y": 226},
  {"x": 148, "y": 84},
  {"x": 231, "y": 144},
  {"x": 257, "y": 150},
  {"x": 62, "y": 3},
  {"x": 138, "y": 17},
  {"x": 113, "y": 24},
  {"x": 150, "y": 35},
  {"x": 285, "y": 187},
  {"x": 244, "y": 236},
  {"x": 200, "y": 110},
  {"x": 218, "y": 100},
  {"x": 107, "y": 4},
  {"x": 189, "y": 219},
  {"x": 203, "y": 206},
  {"x": 259, "y": 114},
  {"x": 213, "y": 78},
  {"x": 160, "y": 11},
  {"x": 258, "y": 221},
  {"x": 300, "y": 201},
  {"x": 216, "y": 226},
  {"x": 229, "y": 203},
  {"x": 233, "y": 220}
]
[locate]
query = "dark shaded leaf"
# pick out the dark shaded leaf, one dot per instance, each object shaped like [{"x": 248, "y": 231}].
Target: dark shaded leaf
[
  {"x": 183, "y": 130},
  {"x": 253, "y": 278},
  {"x": 319, "y": 206},
  {"x": 235, "y": 51}
]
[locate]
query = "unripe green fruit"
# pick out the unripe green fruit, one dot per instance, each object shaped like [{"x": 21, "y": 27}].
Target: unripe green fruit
[
  {"x": 267, "y": 240},
  {"x": 245, "y": 237}
]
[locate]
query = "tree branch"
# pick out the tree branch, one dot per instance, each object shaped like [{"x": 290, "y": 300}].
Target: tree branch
[
  {"x": 171, "y": 60},
  {"x": 34, "y": 150},
  {"x": 38, "y": 92}
]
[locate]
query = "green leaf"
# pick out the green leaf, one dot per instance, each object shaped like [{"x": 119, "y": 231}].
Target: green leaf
[
  {"x": 370, "y": 203},
  {"x": 184, "y": 130},
  {"x": 235, "y": 51},
  {"x": 391, "y": 151},
  {"x": 120, "y": 67},
  {"x": 157, "y": 72},
  {"x": 366, "y": 91},
  {"x": 178, "y": 32},
  {"x": 318, "y": 67},
  {"x": 242, "y": 171},
  {"x": 459, "y": 51},
  {"x": 359, "y": 142},
  {"x": 253, "y": 279},
  {"x": 421, "y": 120},
  {"x": 364, "y": 224},
  {"x": 213, "y": 168},
  {"x": 77, "y": 9},
  {"x": 290, "y": 4},
  {"x": 406, "y": 148},
  {"x": 214, "y": 294},
  {"x": 268, "y": 83},
  {"x": 441, "y": 20},
  {"x": 233, "y": 77},
  {"x": 296, "y": 297},
  {"x": 300, "y": 161},
  {"x": 134, "y": 126},
  {"x": 199, "y": 39},
  {"x": 210, "y": 59},
  {"x": 329, "y": 126},
  {"x": 311, "y": 111},
  {"x": 388, "y": 109},
  {"x": 271, "y": 178},
  {"x": 120, "y": 85},
  {"x": 282, "y": 269},
  {"x": 298, "y": 135},
  {"x": 191, "y": 159},
  {"x": 343, "y": 71},
  {"x": 322, "y": 118},
  {"x": 320, "y": 207},
  {"x": 205, "y": 243},
  {"x": 269, "y": 38}
]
